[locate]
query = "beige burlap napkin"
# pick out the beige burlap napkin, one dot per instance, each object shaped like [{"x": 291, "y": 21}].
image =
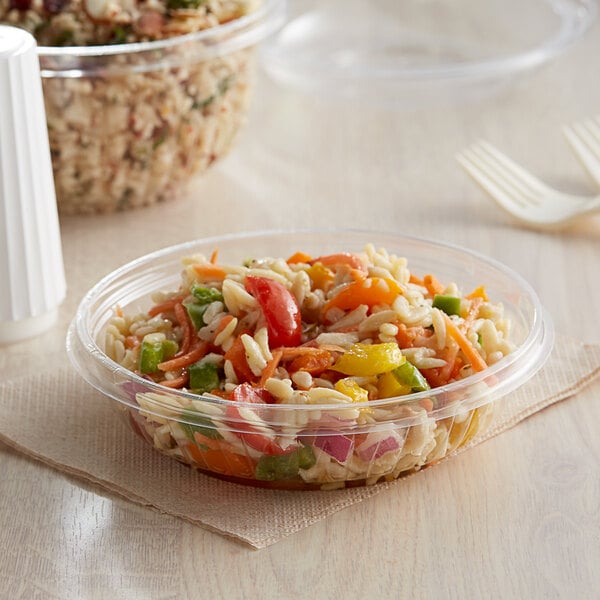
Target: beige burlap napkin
[{"x": 58, "y": 419}]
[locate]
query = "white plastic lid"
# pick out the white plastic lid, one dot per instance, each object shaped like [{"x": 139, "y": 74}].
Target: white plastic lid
[{"x": 31, "y": 264}]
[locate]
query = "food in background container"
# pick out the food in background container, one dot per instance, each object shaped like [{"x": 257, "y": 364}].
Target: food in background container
[{"x": 140, "y": 96}]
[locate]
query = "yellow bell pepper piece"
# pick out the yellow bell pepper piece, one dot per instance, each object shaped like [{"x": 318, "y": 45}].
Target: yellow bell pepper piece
[
  {"x": 352, "y": 390},
  {"x": 320, "y": 276},
  {"x": 367, "y": 360},
  {"x": 388, "y": 386}
]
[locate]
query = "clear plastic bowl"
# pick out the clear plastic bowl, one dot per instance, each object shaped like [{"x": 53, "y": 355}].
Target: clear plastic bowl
[
  {"x": 167, "y": 418},
  {"x": 416, "y": 49},
  {"x": 130, "y": 124}
]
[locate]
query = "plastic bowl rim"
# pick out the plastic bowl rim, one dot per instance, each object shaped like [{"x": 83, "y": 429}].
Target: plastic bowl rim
[
  {"x": 269, "y": 8},
  {"x": 541, "y": 329}
]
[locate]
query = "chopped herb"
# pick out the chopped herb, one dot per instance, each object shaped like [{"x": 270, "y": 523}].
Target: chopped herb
[
  {"x": 160, "y": 135},
  {"x": 201, "y": 104},
  {"x": 125, "y": 199},
  {"x": 178, "y": 4},
  {"x": 120, "y": 34},
  {"x": 222, "y": 86},
  {"x": 225, "y": 84},
  {"x": 64, "y": 37}
]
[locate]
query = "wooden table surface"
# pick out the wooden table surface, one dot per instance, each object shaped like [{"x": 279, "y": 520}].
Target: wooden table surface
[{"x": 517, "y": 517}]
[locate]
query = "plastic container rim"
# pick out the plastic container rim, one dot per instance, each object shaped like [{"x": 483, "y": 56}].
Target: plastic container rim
[
  {"x": 215, "y": 41},
  {"x": 541, "y": 332}
]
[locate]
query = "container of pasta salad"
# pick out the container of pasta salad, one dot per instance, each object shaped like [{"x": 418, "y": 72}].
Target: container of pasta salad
[
  {"x": 140, "y": 96},
  {"x": 309, "y": 359}
]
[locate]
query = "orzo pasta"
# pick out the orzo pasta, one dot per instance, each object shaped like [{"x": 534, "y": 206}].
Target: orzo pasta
[{"x": 354, "y": 341}]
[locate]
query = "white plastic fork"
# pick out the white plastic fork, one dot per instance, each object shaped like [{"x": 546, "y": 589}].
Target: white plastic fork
[
  {"x": 584, "y": 138},
  {"x": 520, "y": 193}
]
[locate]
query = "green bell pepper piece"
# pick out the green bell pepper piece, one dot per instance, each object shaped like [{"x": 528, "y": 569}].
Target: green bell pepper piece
[
  {"x": 204, "y": 377},
  {"x": 447, "y": 303},
  {"x": 205, "y": 295},
  {"x": 408, "y": 374},
  {"x": 155, "y": 350},
  {"x": 285, "y": 466},
  {"x": 196, "y": 312},
  {"x": 199, "y": 423}
]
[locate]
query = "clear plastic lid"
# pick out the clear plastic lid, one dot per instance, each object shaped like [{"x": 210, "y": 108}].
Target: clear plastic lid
[{"x": 352, "y": 47}]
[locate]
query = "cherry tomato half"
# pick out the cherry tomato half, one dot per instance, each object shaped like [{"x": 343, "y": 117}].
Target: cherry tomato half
[
  {"x": 247, "y": 432},
  {"x": 281, "y": 310}
]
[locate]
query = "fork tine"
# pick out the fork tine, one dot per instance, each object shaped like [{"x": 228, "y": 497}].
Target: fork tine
[
  {"x": 522, "y": 187},
  {"x": 528, "y": 184},
  {"x": 584, "y": 139},
  {"x": 498, "y": 187}
]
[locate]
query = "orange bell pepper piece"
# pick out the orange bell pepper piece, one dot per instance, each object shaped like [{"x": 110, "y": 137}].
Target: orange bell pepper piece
[{"x": 371, "y": 291}]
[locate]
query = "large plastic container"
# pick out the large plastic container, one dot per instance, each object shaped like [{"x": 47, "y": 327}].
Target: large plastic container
[{"x": 130, "y": 124}]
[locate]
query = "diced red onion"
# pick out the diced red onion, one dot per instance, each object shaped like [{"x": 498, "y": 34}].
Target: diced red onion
[
  {"x": 377, "y": 444},
  {"x": 336, "y": 445}
]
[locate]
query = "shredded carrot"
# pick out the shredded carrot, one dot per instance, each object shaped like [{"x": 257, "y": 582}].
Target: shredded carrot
[
  {"x": 416, "y": 280},
  {"x": 446, "y": 371},
  {"x": 185, "y": 360},
  {"x": 406, "y": 336},
  {"x": 472, "y": 314},
  {"x": 186, "y": 327},
  {"x": 118, "y": 311},
  {"x": 461, "y": 339},
  {"x": 210, "y": 272},
  {"x": 299, "y": 257},
  {"x": 478, "y": 292},
  {"x": 206, "y": 441},
  {"x": 163, "y": 307},
  {"x": 132, "y": 341},
  {"x": 179, "y": 382},
  {"x": 214, "y": 256},
  {"x": 236, "y": 354},
  {"x": 458, "y": 365},
  {"x": 222, "y": 324},
  {"x": 269, "y": 370},
  {"x": 433, "y": 285}
]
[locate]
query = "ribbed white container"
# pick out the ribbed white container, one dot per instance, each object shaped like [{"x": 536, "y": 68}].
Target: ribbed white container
[{"x": 32, "y": 280}]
